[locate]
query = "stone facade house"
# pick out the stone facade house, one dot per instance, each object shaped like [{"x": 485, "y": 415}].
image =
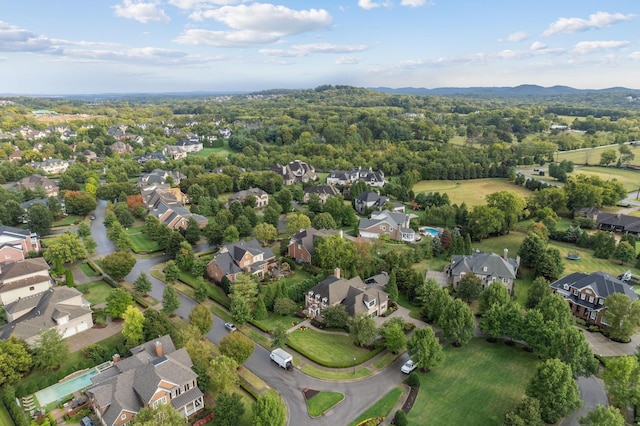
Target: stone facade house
[
  {"x": 262, "y": 198},
  {"x": 156, "y": 373},
  {"x": 586, "y": 293},
  {"x": 322, "y": 191},
  {"x": 244, "y": 257},
  {"x": 347, "y": 177},
  {"x": 60, "y": 308},
  {"x": 394, "y": 224},
  {"x": 23, "y": 278},
  {"x": 121, "y": 148},
  {"x": 489, "y": 267},
  {"x": 354, "y": 294},
  {"x": 296, "y": 172}
]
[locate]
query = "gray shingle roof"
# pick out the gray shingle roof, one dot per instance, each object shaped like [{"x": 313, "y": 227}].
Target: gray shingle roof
[
  {"x": 602, "y": 283},
  {"x": 495, "y": 265}
]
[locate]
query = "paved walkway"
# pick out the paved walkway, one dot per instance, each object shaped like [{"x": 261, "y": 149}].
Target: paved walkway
[{"x": 601, "y": 345}]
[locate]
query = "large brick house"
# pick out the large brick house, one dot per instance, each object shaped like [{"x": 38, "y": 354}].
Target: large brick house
[
  {"x": 34, "y": 181},
  {"x": 156, "y": 373},
  {"x": 586, "y": 293},
  {"x": 16, "y": 243},
  {"x": 354, "y": 294},
  {"x": 391, "y": 223},
  {"x": 489, "y": 267},
  {"x": 247, "y": 257}
]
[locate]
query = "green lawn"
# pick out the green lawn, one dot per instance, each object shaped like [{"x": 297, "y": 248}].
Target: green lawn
[
  {"x": 414, "y": 311},
  {"x": 5, "y": 418},
  {"x": 140, "y": 242},
  {"x": 97, "y": 291},
  {"x": 592, "y": 156},
  {"x": 87, "y": 270},
  {"x": 206, "y": 152},
  {"x": 67, "y": 220},
  {"x": 322, "y": 402},
  {"x": 318, "y": 373},
  {"x": 628, "y": 178},
  {"x": 330, "y": 350},
  {"x": 274, "y": 320},
  {"x": 472, "y": 192},
  {"x": 382, "y": 408},
  {"x": 475, "y": 385}
]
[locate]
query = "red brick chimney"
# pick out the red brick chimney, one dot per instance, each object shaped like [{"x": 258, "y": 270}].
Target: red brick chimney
[{"x": 158, "y": 348}]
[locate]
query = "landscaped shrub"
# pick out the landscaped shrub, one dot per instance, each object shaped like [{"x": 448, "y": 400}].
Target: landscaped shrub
[
  {"x": 413, "y": 379},
  {"x": 16, "y": 413},
  {"x": 68, "y": 274},
  {"x": 400, "y": 419}
]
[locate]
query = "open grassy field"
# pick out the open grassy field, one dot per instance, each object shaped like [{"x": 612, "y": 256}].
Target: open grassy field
[
  {"x": 630, "y": 179},
  {"x": 222, "y": 152},
  {"x": 95, "y": 292},
  {"x": 273, "y": 320},
  {"x": 592, "y": 155},
  {"x": 330, "y": 350},
  {"x": 475, "y": 385},
  {"x": 382, "y": 408},
  {"x": 140, "y": 242},
  {"x": 472, "y": 192}
]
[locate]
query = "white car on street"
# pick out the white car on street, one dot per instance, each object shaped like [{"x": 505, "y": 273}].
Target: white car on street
[
  {"x": 408, "y": 367},
  {"x": 229, "y": 326}
]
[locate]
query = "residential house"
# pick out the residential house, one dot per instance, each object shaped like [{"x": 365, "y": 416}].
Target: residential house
[
  {"x": 16, "y": 243},
  {"x": 354, "y": 294},
  {"x": 369, "y": 200},
  {"x": 301, "y": 245},
  {"x": 120, "y": 147},
  {"x": 247, "y": 257},
  {"x": 153, "y": 156},
  {"x": 174, "y": 152},
  {"x": 262, "y": 198},
  {"x": 586, "y": 293},
  {"x": 296, "y": 172},
  {"x": 489, "y": 267},
  {"x": 51, "y": 166},
  {"x": 23, "y": 278},
  {"x": 347, "y": 177},
  {"x": 34, "y": 181},
  {"x": 160, "y": 177},
  {"x": 60, "y": 308},
  {"x": 322, "y": 191},
  {"x": 615, "y": 222},
  {"x": 42, "y": 202},
  {"x": 15, "y": 155},
  {"x": 154, "y": 195},
  {"x": 90, "y": 155},
  {"x": 176, "y": 217},
  {"x": 156, "y": 373},
  {"x": 190, "y": 145},
  {"x": 391, "y": 223}
]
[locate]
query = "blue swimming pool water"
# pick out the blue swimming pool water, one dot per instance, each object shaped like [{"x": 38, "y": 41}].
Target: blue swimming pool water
[
  {"x": 60, "y": 390},
  {"x": 431, "y": 231}
]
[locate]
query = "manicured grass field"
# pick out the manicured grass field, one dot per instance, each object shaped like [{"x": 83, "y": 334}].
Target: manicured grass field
[
  {"x": 5, "y": 418},
  {"x": 472, "y": 192},
  {"x": 206, "y": 152},
  {"x": 475, "y": 385},
  {"x": 87, "y": 270},
  {"x": 383, "y": 407},
  {"x": 67, "y": 221},
  {"x": 330, "y": 350},
  {"x": 318, "y": 404},
  {"x": 274, "y": 320},
  {"x": 628, "y": 178},
  {"x": 314, "y": 371},
  {"x": 140, "y": 242},
  {"x": 592, "y": 156},
  {"x": 97, "y": 291}
]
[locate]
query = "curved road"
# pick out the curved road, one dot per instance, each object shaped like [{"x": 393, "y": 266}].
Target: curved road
[{"x": 359, "y": 395}]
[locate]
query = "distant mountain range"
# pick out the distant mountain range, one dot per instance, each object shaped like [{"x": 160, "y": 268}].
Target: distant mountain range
[{"x": 522, "y": 90}]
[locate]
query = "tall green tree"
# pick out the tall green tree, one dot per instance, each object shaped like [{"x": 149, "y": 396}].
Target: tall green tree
[
  {"x": 457, "y": 323},
  {"x": 335, "y": 252},
  {"x": 362, "y": 329},
  {"x": 184, "y": 256},
  {"x": 65, "y": 248},
  {"x": 279, "y": 336},
  {"x": 117, "y": 302},
  {"x": 133, "y": 326},
  {"x": 495, "y": 294},
  {"x": 392, "y": 287},
  {"x": 603, "y": 416},
  {"x": 469, "y": 287},
  {"x": 162, "y": 415},
  {"x": 394, "y": 338},
  {"x": 201, "y": 318},
  {"x": 228, "y": 410},
  {"x": 622, "y": 380},
  {"x": 142, "y": 284},
  {"x": 296, "y": 222},
  {"x": 269, "y": 410},
  {"x": 510, "y": 204},
  {"x": 50, "y": 350},
  {"x": 554, "y": 386},
  {"x": 171, "y": 272},
  {"x": 192, "y": 231},
  {"x": 624, "y": 252},
  {"x": 170, "y": 301},
  {"x": 569, "y": 345},
  {"x": 622, "y": 316},
  {"x": 527, "y": 413},
  {"x": 118, "y": 264},
  {"x": 15, "y": 361},
  {"x": 484, "y": 221},
  {"x": 336, "y": 316},
  {"x": 265, "y": 232},
  {"x": 40, "y": 219},
  {"x": 539, "y": 288},
  {"x": 237, "y": 346},
  {"x": 222, "y": 372},
  {"x": 424, "y": 348}
]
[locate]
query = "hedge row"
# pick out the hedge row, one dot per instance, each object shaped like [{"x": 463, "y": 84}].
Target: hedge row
[
  {"x": 16, "y": 413},
  {"x": 136, "y": 297}
]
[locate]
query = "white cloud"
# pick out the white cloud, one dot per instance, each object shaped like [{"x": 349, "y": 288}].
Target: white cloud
[
  {"x": 141, "y": 11},
  {"x": 347, "y": 60},
  {"x": 145, "y": 55},
  {"x": 514, "y": 37},
  {"x": 635, "y": 55},
  {"x": 585, "y": 47},
  {"x": 226, "y": 38},
  {"x": 536, "y": 45},
  {"x": 368, "y": 4},
  {"x": 14, "y": 39},
  {"x": 203, "y": 4},
  {"x": 307, "y": 49},
  {"x": 596, "y": 20},
  {"x": 413, "y": 3}
]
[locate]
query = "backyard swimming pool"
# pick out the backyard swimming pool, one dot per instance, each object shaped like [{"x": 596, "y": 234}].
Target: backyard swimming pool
[
  {"x": 60, "y": 390},
  {"x": 429, "y": 231}
]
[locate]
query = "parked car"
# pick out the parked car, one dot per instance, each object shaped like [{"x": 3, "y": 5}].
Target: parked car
[
  {"x": 86, "y": 421},
  {"x": 408, "y": 367},
  {"x": 93, "y": 217},
  {"x": 229, "y": 326}
]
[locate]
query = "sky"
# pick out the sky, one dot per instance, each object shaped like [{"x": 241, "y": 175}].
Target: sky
[{"x": 159, "y": 46}]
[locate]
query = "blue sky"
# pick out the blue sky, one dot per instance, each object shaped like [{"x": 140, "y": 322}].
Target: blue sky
[{"x": 125, "y": 46}]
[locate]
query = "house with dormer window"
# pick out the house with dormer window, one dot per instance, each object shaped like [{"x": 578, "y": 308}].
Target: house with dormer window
[
  {"x": 157, "y": 373},
  {"x": 357, "y": 296},
  {"x": 586, "y": 293},
  {"x": 244, "y": 257},
  {"x": 489, "y": 267},
  {"x": 394, "y": 224}
]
